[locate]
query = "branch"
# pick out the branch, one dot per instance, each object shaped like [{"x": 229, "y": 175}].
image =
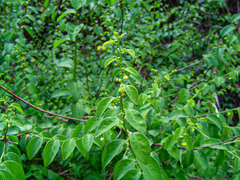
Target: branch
[
  {"x": 35, "y": 107},
  {"x": 200, "y": 147}
]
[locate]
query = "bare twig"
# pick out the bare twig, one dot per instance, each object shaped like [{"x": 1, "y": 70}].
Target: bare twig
[{"x": 66, "y": 117}]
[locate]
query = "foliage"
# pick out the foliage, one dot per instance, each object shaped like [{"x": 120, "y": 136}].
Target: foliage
[{"x": 119, "y": 89}]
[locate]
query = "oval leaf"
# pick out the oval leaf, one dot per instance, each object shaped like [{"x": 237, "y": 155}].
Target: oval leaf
[
  {"x": 77, "y": 4},
  {"x": 61, "y": 92},
  {"x": 110, "y": 151},
  {"x": 130, "y": 51},
  {"x": 80, "y": 147},
  {"x": 226, "y": 30},
  {"x": 50, "y": 151},
  {"x": 108, "y": 42},
  {"x": 140, "y": 147},
  {"x": 17, "y": 107},
  {"x": 183, "y": 96},
  {"x": 15, "y": 169},
  {"x": 122, "y": 167},
  {"x": 33, "y": 147},
  {"x": 109, "y": 61},
  {"x": 136, "y": 120},
  {"x": 67, "y": 148},
  {"x": 87, "y": 141},
  {"x": 105, "y": 125},
  {"x": 132, "y": 93},
  {"x": 235, "y": 17},
  {"x": 188, "y": 158},
  {"x": 58, "y": 42},
  {"x": 68, "y": 11},
  {"x": 151, "y": 170},
  {"x": 102, "y": 106},
  {"x": 29, "y": 30},
  {"x": 132, "y": 71},
  {"x": 215, "y": 120}
]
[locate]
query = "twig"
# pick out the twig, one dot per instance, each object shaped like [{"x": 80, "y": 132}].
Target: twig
[
  {"x": 119, "y": 133},
  {"x": 35, "y": 107},
  {"x": 200, "y": 78},
  {"x": 10, "y": 142},
  {"x": 200, "y": 147}
]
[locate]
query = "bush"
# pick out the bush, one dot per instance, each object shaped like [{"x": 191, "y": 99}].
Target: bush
[{"x": 119, "y": 89}]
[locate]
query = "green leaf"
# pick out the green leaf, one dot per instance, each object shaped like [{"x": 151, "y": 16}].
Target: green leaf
[
  {"x": 29, "y": 30},
  {"x": 108, "y": 42},
  {"x": 226, "y": 30},
  {"x": 50, "y": 151},
  {"x": 118, "y": 12},
  {"x": 130, "y": 51},
  {"x": 15, "y": 169},
  {"x": 73, "y": 30},
  {"x": 105, "y": 125},
  {"x": 78, "y": 131},
  {"x": 77, "y": 110},
  {"x": 67, "y": 148},
  {"x": 61, "y": 92},
  {"x": 140, "y": 147},
  {"x": 76, "y": 89},
  {"x": 6, "y": 175},
  {"x": 46, "y": 3},
  {"x": 60, "y": 41},
  {"x": 188, "y": 140},
  {"x": 211, "y": 141},
  {"x": 189, "y": 110},
  {"x": 183, "y": 96},
  {"x": 219, "y": 158},
  {"x": 158, "y": 105},
  {"x": 133, "y": 174},
  {"x": 109, "y": 61},
  {"x": 102, "y": 106},
  {"x": 31, "y": 17},
  {"x": 235, "y": 18},
  {"x": 110, "y": 151},
  {"x": 215, "y": 120},
  {"x": 201, "y": 158},
  {"x": 87, "y": 141},
  {"x": 17, "y": 107},
  {"x": 151, "y": 170},
  {"x": 136, "y": 120},
  {"x": 31, "y": 88},
  {"x": 122, "y": 167},
  {"x": 68, "y": 11},
  {"x": 33, "y": 147},
  {"x": 142, "y": 99},
  {"x": 80, "y": 147},
  {"x": 169, "y": 142},
  {"x": 174, "y": 152},
  {"x": 188, "y": 158},
  {"x": 132, "y": 71},
  {"x": 78, "y": 4},
  {"x": 14, "y": 157},
  {"x": 219, "y": 80},
  {"x": 67, "y": 63},
  {"x": 178, "y": 132},
  {"x": 91, "y": 124},
  {"x": 132, "y": 93}
]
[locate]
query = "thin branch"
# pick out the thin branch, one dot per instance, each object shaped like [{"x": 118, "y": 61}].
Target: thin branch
[
  {"x": 119, "y": 133},
  {"x": 235, "y": 137},
  {"x": 200, "y": 78},
  {"x": 10, "y": 142},
  {"x": 189, "y": 65},
  {"x": 35, "y": 107},
  {"x": 200, "y": 147}
]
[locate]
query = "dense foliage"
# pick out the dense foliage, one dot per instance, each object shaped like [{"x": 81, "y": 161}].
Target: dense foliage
[{"x": 107, "y": 89}]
